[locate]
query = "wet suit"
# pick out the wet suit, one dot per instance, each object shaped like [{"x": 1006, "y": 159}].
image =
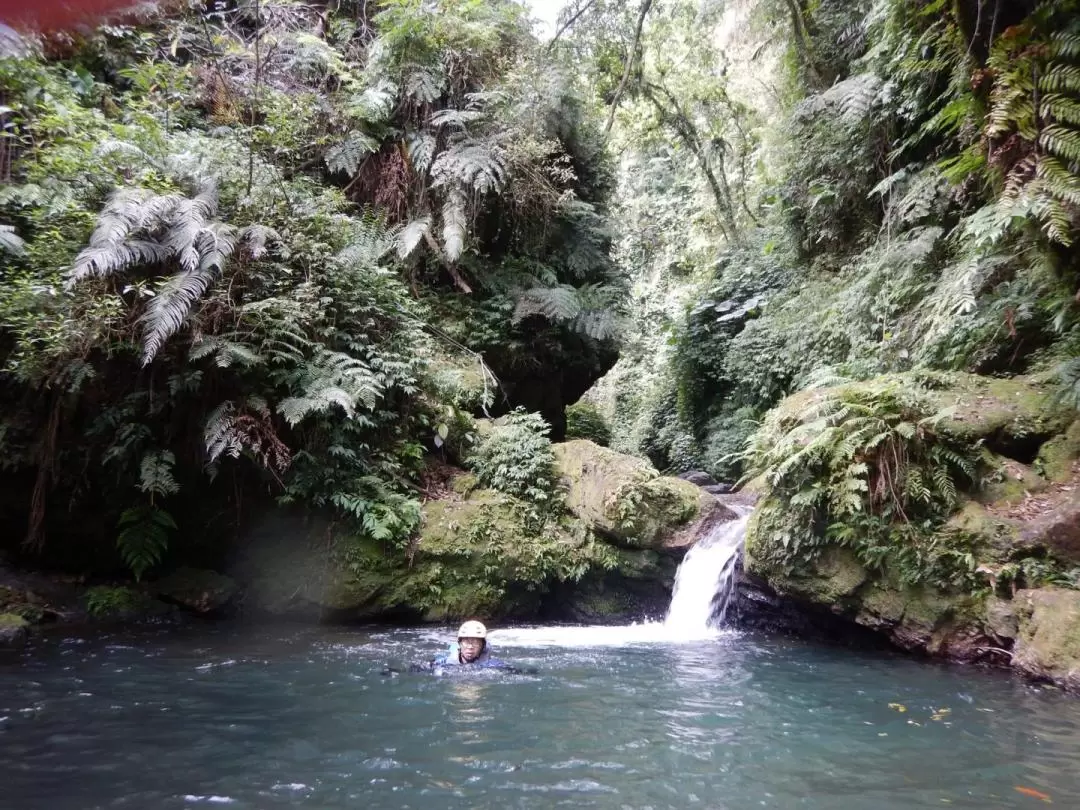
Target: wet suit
[{"x": 449, "y": 663}]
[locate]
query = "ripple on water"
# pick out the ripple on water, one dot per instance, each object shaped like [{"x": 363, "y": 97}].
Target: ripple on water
[{"x": 614, "y": 719}]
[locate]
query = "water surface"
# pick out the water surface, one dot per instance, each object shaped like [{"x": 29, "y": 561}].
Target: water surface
[{"x": 241, "y": 717}]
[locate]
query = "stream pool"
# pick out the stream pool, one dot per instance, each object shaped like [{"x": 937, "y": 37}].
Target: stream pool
[{"x": 241, "y": 716}]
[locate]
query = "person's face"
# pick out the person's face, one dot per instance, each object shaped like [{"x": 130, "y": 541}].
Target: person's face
[{"x": 470, "y": 648}]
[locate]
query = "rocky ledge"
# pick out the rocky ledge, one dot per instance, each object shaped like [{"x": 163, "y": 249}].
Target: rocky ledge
[{"x": 1016, "y": 543}]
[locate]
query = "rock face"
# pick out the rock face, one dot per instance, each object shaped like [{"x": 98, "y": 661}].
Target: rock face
[
  {"x": 1048, "y": 635},
  {"x": 698, "y": 478},
  {"x": 476, "y": 554},
  {"x": 479, "y": 552},
  {"x": 1025, "y": 522},
  {"x": 13, "y": 631}
]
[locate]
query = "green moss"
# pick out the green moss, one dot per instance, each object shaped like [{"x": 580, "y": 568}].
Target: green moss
[
  {"x": 974, "y": 528},
  {"x": 464, "y": 484},
  {"x": 22, "y": 603},
  {"x": 833, "y": 579},
  {"x": 624, "y": 497},
  {"x": 1057, "y": 455},
  {"x": 13, "y": 621},
  {"x": 1012, "y": 409},
  {"x": 1048, "y": 642}
]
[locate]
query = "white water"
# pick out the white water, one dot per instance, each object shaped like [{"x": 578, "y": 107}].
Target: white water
[
  {"x": 704, "y": 585},
  {"x": 705, "y": 581}
]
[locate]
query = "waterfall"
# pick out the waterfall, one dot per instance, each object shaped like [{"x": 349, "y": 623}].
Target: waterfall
[{"x": 705, "y": 580}]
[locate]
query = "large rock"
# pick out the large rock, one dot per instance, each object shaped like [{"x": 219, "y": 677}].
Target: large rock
[
  {"x": 1048, "y": 641},
  {"x": 638, "y": 587},
  {"x": 478, "y": 553},
  {"x": 627, "y": 500},
  {"x": 1012, "y": 416},
  {"x": 198, "y": 590},
  {"x": 1058, "y": 530},
  {"x": 13, "y": 631}
]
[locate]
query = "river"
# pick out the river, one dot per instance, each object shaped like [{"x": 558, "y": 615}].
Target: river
[{"x": 243, "y": 716}]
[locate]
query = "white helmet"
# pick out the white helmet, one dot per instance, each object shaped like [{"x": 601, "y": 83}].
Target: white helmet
[{"x": 472, "y": 629}]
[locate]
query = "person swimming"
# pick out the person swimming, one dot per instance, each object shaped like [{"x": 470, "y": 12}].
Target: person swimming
[{"x": 470, "y": 652}]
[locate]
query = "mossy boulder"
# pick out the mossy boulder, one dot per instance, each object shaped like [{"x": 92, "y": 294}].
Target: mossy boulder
[
  {"x": 125, "y": 603},
  {"x": 1011, "y": 416},
  {"x": 14, "y": 630},
  {"x": 637, "y": 587},
  {"x": 1048, "y": 641},
  {"x": 25, "y": 603},
  {"x": 1057, "y": 457},
  {"x": 478, "y": 554},
  {"x": 625, "y": 499},
  {"x": 1058, "y": 529},
  {"x": 198, "y": 590}
]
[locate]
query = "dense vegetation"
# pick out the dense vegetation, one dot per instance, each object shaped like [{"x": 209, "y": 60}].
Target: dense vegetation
[
  {"x": 266, "y": 251},
  {"x": 274, "y": 251}
]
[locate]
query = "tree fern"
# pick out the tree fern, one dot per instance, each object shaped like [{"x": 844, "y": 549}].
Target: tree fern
[
  {"x": 420, "y": 147},
  {"x": 470, "y": 164}
]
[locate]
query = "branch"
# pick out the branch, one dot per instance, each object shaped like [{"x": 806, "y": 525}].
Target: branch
[
  {"x": 566, "y": 25},
  {"x": 451, "y": 268},
  {"x": 645, "y": 6}
]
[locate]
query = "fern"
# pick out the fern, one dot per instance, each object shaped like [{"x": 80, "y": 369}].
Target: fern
[
  {"x": 173, "y": 300},
  {"x": 411, "y": 235},
  {"x": 346, "y": 157},
  {"x": 10, "y": 241},
  {"x": 423, "y": 85},
  {"x": 420, "y": 147},
  {"x": 471, "y": 164},
  {"x": 156, "y": 475},
  {"x": 454, "y": 224},
  {"x": 144, "y": 537}
]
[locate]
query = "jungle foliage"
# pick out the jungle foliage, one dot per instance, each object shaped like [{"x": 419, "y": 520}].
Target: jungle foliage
[{"x": 240, "y": 241}]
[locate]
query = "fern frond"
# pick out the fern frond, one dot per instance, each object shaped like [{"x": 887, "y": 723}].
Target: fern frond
[
  {"x": 155, "y": 474},
  {"x": 10, "y": 241},
  {"x": 554, "y": 303},
  {"x": 170, "y": 306},
  {"x": 455, "y": 119},
  {"x": 110, "y": 260},
  {"x": 411, "y": 235},
  {"x": 454, "y": 224},
  {"x": 346, "y": 157},
  {"x": 1062, "y": 141},
  {"x": 424, "y": 85},
  {"x": 472, "y": 164},
  {"x": 420, "y": 147}
]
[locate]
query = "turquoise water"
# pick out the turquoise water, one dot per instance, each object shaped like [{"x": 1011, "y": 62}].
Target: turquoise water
[{"x": 241, "y": 717}]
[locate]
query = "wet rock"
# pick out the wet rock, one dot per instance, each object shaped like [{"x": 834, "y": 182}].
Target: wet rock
[
  {"x": 698, "y": 478},
  {"x": 1001, "y": 619},
  {"x": 13, "y": 631},
  {"x": 198, "y": 590},
  {"x": 717, "y": 489},
  {"x": 1048, "y": 642}
]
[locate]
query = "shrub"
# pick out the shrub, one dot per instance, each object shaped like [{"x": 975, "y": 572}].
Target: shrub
[
  {"x": 584, "y": 421},
  {"x": 516, "y": 458}
]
